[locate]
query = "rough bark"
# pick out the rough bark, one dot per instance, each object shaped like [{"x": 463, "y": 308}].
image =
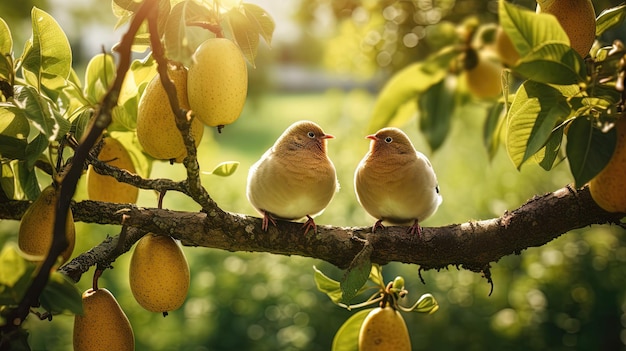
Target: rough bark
[{"x": 473, "y": 245}]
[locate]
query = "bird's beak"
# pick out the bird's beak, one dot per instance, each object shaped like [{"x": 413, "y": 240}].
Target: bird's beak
[
  {"x": 372, "y": 137},
  {"x": 327, "y": 136}
]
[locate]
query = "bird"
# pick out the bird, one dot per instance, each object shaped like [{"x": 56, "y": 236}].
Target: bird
[
  {"x": 396, "y": 183},
  {"x": 294, "y": 178}
]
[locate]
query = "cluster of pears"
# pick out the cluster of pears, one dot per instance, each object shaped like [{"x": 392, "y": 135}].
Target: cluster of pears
[
  {"x": 37, "y": 227},
  {"x": 214, "y": 88}
]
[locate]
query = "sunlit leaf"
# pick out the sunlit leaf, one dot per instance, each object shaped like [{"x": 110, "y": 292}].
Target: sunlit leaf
[
  {"x": 327, "y": 285},
  {"x": 610, "y": 18},
  {"x": 99, "y": 75},
  {"x": 181, "y": 38},
  {"x": 14, "y": 130},
  {"x": 7, "y": 181},
  {"x": 262, "y": 20},
  {"x": 224, "y": 169},
  {"x": 61, "y": 295},
  {"x": 48, "y": 55},
  {"x": 142, "y": 163},
  {"x": 357, "y": 274},
  {"x": 527, "y": 29},
  {"x": 588, "y": 149},
  {"x": 244, "y": 32},
  {"x": 6, "y": 51},
  {"x": 41, "y": 112},
  {"x": 436, "y": 108},
  {"x": 376, "y": 275},
  {"x": 535, "y": 111},
  {"x": 407, "y": 84},
  {"x": 552, "y": 63},
  {"x": 347, "y": 337},
  {"x": 15, "y": 274}
]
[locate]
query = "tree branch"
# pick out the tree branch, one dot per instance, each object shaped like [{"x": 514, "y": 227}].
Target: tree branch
[{"x": 472, "y": 245}]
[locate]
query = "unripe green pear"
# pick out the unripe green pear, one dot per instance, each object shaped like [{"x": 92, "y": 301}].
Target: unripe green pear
[
  {"x": 106, "y": 188},
  {"x": 218, "y": 82},
  {"x": 156, "y": 123},
  {"x": 37, "y": 226},
  {"x": 159, "y": 273},
  {"x": 384, "y": 329},
  {"x": 103, "y": 325}
]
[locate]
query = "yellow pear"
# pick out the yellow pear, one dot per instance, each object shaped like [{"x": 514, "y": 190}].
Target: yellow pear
[
  {"x": 505, "y": 49},
  {"x": 37, "y": 226},
  {"x": 218, "y": 82},
  {"x": 106, "y": 188},
  {"x": 578, "y": 19},
  {"x": 483, "y": 74},
  {"x": 608, "y": 188},
  {"x": 156, "y": 123},
  {"x": 159, "y": 273},
  {"x": 103, "y": 325},
  {"x": 384, "y": 330}
]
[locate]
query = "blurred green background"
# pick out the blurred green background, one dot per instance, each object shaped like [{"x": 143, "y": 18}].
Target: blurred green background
[{"x": 327, "y": 62}]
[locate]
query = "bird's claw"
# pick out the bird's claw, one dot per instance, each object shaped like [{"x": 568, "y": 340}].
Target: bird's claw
[
  {"x": 378, "y": 224},
  {"x": 415, "y": 229},
  {"x": 310, "y": 223},
  {"x": 267, "y": 218}
]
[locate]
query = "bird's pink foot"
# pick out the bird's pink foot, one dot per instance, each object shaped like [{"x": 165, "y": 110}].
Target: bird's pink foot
[
  {"x": 267, "y": 218},
  {"x": 310, "y": 223},
  {"x": 415, "y": 229},
  {"x": 378, "y": 224}
]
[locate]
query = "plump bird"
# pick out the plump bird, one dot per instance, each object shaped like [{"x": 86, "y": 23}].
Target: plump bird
[
  {"x": 396, "y": 183},
  {"x": 294, "y": 178}
]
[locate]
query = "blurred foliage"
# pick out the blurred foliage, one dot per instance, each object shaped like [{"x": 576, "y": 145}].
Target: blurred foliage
[{"x": 568, "y": 294}]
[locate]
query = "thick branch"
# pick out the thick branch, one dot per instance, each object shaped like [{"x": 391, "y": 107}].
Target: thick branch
[{"x": 472, "y": 245}]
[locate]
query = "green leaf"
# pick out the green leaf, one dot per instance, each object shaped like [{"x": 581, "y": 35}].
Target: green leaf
[
  {"x": 535, "y": 111},
  {"x": 14, "y": 130},
  {"x": 357, "y": 274},
  {"x": 142, "y": 163},
  {"x": 7, "y": 181},
  {"x": 327, "y": 285},
  {"x": 552, "y": 149},
  {"x": 376, "y": 275},
  {"x": 426, "y": 304},
  {"x": 244, "y": 32},
  {"x": 529, "y": 30},
  {"x": 492, "y": 129},
  {"x": 588, "y": 149},
  {"x": 406, "y": 85},
  {"x": 182, "y": 39},
  {"x": 28, "y": 180},
  {"x": 34, "y": 150},
  {"x": 436, "y": 107},
  {"x": 261, "y": 20},
  {"x": 99, "y": 75},
  {"x": 61, "y": 295},
  {"x": 48, "y": 55},
  {"x": 224, "y": 169},
  {"x": 552, "y": 63},
  {"x": 610, "y": 18},
  {"x": 41, "y": 112},
  {"x": 347, "y": 337},
  {"x": 6, "y": 52},
  {"x": 15, "y": 275}
]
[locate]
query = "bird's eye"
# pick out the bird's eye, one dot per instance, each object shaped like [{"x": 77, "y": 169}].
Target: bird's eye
[
  {"x": 388, "y": 140},
  {"x": 311, "y": 135}
]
